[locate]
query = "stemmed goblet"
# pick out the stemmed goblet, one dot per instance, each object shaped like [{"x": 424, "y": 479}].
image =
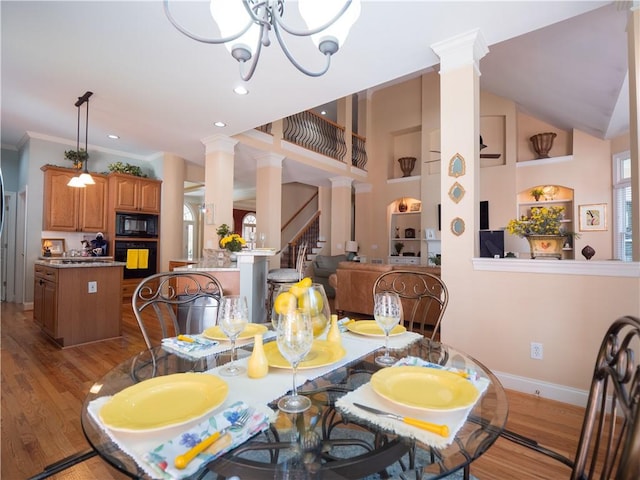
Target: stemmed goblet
[
  {"x": 263, "y": 238},
  {"x": 387, "y": 310},
  {"x": 233, "y": 316},
  {"x": 294, "y": 338}
]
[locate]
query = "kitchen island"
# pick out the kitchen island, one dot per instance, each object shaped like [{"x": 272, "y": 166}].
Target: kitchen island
[
  {"x": 77, "y": 299},
  {"x": 250, "y": 272}
]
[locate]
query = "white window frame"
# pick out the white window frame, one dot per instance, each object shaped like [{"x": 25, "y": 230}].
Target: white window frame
[{"x": 621, "y": 186}]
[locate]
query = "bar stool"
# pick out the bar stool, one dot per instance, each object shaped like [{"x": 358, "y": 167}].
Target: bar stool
[{"x": 280, "y": 276}]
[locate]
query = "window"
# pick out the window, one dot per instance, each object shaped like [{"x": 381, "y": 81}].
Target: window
[
  {"x": 622, "y": 206},
  {"x": 188, "y": 238},
  {"x": 249, "y": 229}
]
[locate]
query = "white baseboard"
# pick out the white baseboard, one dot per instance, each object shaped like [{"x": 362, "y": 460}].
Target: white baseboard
[
  {"x": 27, "y": 306},
  {"x": 552, "y": 391}
]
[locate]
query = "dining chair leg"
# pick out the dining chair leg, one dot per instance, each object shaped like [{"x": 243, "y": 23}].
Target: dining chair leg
[{"x": 63, "y": 464}]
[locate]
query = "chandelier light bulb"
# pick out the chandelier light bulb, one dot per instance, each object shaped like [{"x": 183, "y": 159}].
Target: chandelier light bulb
[{"x": 246, "y": 26}]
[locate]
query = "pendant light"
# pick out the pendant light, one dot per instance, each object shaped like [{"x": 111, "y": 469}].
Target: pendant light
[{"x": 85, "y": 177}]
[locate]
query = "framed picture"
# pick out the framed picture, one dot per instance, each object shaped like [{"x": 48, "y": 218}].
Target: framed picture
[
  {"x": 415, "y": 207},
  {"x": 54, "y": 247},
  {"x": 430, "y": 233},
  {"x": 593, "y": 217}
]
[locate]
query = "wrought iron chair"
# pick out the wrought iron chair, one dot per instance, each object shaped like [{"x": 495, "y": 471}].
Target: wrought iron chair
[
  {"x": 609, "y": 445},
  {"x": 174, "y": 303},
  {"x": 424, "y": 298}
]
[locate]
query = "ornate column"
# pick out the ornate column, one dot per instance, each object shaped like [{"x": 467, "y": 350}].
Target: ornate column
[
  {"x": 460, "y": 174},
  {"x": 218, "y": 185},
  {"x": 364, "y": 221},
  {"x": 340, "y": 213},
  {"x": 269, "y": 201},
  {"x": 172, "y": 209}
]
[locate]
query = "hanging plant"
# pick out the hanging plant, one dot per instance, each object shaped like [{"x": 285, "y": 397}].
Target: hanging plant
[
  {"x": 78, "y": 157},
  {"x": 119, "y": 167}
]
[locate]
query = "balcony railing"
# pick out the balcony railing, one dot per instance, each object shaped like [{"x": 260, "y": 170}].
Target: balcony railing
[{"x": 314, "y": 132}]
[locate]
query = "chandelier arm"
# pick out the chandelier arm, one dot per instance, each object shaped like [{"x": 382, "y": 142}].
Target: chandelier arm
[
  {"x": 197, "y": 38},
  {"x": 293, "y": 60},
  {"x": 277, "y": 19},
  {"x": 254, "y": 60}
]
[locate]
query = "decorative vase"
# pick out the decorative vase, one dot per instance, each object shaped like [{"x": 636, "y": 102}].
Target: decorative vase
[
  {"x": 233, "y": 257},
  {"x": 402, "y": 206},
  {"x": 407, "y": 164},
  {"x": 546, "y": 246},
  {"x": 334, "y": 331},
  {"x": 257, "y": 365},
  {"x": 588, "y": 252},
  {"x": 542, "y": 143}
]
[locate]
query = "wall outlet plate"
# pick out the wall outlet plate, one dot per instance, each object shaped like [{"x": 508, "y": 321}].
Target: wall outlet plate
[
  {"x": 536, "y": 351},
  {"x": 92, "y": 287}
]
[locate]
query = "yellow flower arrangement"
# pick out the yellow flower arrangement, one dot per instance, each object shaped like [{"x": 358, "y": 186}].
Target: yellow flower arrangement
[
  {"x": 542, "y": 221},
  {"x": 233, "y": 242}
]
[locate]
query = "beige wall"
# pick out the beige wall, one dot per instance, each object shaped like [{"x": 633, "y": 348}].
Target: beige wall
[{"x": 495, "y": 315}]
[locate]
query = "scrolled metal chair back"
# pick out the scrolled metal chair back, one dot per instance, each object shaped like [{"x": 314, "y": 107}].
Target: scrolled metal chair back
[
  {"x": 170, "y": 302},
  {"x": 424, "y": 298},
  {"x": 609, "y": 445}
]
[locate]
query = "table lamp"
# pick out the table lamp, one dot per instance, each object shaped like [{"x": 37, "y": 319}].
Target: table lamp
[{"x": 351, "y": 248}]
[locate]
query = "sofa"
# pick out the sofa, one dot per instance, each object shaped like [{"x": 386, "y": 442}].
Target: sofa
[
  {"x": 353, "y": 284},
  {"x": 322, "y": 267}
]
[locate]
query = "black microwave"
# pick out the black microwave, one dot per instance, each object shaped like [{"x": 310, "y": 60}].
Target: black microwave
[{"x": 136, "y": 225}]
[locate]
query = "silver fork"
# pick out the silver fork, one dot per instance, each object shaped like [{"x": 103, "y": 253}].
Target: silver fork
[{"x": 183, "y": 460}]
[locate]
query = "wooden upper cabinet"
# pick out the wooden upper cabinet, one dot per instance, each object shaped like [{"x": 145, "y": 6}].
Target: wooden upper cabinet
[
  {"x": 129, "y": 193},
  {"x": 70, "y": 209}
]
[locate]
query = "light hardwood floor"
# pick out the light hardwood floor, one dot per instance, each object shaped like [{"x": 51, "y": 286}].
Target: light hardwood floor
[{"x": 43, "y": 388}]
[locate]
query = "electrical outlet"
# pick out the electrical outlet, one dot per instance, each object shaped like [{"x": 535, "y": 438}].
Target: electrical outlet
[
  {"x": 92, "y": 287},
  {"x": 536, "y": 351}
]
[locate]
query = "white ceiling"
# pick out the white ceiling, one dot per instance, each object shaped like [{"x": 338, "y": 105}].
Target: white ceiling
[{"x": 161, "y": 91}]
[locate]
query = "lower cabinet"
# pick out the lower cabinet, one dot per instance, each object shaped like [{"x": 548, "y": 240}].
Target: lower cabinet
[{"x": 75, "y": 305}]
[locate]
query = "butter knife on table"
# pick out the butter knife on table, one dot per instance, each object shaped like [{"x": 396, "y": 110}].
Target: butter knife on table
[{"x": 442, "y": 430}]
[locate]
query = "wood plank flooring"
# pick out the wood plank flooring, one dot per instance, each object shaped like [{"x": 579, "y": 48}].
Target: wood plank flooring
[{"x": 43, "y": 388}]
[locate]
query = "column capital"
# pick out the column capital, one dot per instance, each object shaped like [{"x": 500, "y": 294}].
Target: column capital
[
  {"x": 464, "y": 49},
  {"x": 269, "y": 160},
  {"x": 363, "y": 187},
  {"x": 340, "y": 182},
  {"x": 219, "y": 143}
]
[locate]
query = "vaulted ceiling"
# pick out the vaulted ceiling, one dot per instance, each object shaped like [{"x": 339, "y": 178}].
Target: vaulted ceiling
[{"x": 564, "y": 62}]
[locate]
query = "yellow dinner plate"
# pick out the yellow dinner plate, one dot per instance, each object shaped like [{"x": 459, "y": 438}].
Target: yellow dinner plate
[
  {"x": 216, "y": 333},
  {"x": 371, "y": 328},
  {"x": 322, "y": 353},
  {"x": 162, "y": 402},
  {"x": 425, "y": 388}
]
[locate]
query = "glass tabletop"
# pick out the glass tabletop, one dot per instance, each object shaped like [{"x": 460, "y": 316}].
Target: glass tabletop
[{"x": 323, "y": 441}]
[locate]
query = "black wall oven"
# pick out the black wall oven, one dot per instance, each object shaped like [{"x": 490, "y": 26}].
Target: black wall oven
[{"x": 141, "y": 257}]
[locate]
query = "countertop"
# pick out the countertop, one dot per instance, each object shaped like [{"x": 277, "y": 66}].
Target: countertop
[
  {"x": 78, "y": 262},
  {"x": 207, "y": 266}
]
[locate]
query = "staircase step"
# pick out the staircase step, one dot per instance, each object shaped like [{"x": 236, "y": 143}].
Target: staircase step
[{"x": 316, "y": 250}]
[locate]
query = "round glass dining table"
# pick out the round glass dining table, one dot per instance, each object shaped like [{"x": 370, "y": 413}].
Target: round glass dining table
[{"x": 323, "y": 442}]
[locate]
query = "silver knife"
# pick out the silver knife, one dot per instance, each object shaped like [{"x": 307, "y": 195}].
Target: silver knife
[{"x": 442, "y": 430}]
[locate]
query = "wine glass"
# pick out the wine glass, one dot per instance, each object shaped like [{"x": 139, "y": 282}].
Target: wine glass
[
  {"x": 387, "y": 311},
  {"x": 263, "y": 238},
  {"x": 252, "y": 240},
  {"x": 233, "y": 316},
  {"x": 294, "y": 338}
]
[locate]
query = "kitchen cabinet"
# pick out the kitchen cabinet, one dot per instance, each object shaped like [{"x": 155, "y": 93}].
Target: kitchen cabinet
[
  {"x": 134, "y": 194},
  {"x": 77, "y": 303},
  {"x": 70, "y": 209}
]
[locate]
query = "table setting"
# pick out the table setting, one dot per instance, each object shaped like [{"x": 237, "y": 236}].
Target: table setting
[{"x": 194, "y": 413}]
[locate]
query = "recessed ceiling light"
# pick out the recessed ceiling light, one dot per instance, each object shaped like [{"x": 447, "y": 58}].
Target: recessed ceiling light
[
  {"x": 220, "y": 124},
  {"x": 323, "y": 112},
  {"x": 241, "y": 90},
  {"x": 113, "y": 137}
]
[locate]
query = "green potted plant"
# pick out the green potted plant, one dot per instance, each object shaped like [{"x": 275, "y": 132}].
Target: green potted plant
[
  {"x": 78, "y": 157},
  {"x": 537, "y": 193},
  {"x": 543, "y": 230},
  {"x": 119, "y": 167},
  {"x": 398, "y": 246}
]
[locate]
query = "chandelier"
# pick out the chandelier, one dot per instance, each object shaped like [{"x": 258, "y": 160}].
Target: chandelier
[
  {"x": 85, "y": 177},
  {"x": 245, "y": 26}
]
